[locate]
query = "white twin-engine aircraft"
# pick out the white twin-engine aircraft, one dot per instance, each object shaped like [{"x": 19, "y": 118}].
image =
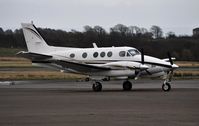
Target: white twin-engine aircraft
[{"x": 99, "y": 64}]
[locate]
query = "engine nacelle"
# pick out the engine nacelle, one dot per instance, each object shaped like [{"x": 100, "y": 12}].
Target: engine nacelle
[{"x": 127, "y": 64}]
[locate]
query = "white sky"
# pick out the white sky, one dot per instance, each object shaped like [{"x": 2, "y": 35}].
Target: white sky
[{"x": 179, "y": 16}]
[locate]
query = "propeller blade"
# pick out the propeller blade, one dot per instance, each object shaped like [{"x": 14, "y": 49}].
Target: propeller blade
[
  {"x": 142, "y": 56},
  {"x": 170, "y": 60}
]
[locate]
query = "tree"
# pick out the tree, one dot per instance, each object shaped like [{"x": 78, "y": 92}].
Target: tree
[
  {"x": 88, "y": 28},
  {"x": 99, "y": 30},
  {"x": 8, "y": 32},
  {"x": 171, "y": 34},
  {"x": 134, "y": 30},
  {"x": 120, "y": 28},
  {"x": 187, "y": 55},
  {"x": 156, "y": 31},
  {"x": 1, "y": 31},
  {"x": 143, "y": 30}
]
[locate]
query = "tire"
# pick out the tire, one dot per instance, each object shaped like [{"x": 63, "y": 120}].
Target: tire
[
  {"x": 127, "y": 86},
  {"x": 87, "y": 79},
  {"x": 166, "y": 86},
  {"x": 97, "y": 86}
]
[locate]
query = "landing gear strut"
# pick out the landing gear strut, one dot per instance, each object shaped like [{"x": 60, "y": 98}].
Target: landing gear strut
[
  {"x": 97, "y": 86},
  {"x": 166, "y": 86},
  {"x": 127, "y": 85}
]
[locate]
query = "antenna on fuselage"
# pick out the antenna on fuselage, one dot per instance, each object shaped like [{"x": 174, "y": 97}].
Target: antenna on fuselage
[{"x": 95, "y": 45}]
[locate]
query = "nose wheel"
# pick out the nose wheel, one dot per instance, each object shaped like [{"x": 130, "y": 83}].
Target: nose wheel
[
  {"x": 127, "y": 86},
  {"x": 166, "y": 86},
  {"x": 97, "y": 86}
]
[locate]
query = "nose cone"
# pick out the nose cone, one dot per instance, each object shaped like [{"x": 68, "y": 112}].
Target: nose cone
[{"x": 174, "y": 66}]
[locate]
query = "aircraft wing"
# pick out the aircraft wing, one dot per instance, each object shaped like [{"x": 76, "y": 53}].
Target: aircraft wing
[
  {"x": 79, "y": 67},
  {"x": 83, "y": 67},
  {"x": 33, "y": 56}
]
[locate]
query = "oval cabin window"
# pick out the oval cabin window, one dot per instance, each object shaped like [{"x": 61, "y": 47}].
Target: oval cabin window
[
  {"x": 109, "y": 54},
  {"x": 72, "y": 55},
  {"x": 102, "y": 54},
  {"x": 122, "y": 53},
  {"x": 84, "y": 55},
  {"x": 95, "y": 54}
]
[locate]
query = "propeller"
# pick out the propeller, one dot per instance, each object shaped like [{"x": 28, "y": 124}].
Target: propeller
[
  {"x": 170, "y": 59},
  {"x": 142, "y": 56},
  {"x": 142, "y": 66}
]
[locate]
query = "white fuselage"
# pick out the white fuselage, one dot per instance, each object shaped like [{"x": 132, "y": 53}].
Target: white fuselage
[{"x": 116, "y": 57}]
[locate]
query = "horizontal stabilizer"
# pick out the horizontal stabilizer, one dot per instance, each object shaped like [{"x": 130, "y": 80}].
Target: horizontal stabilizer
[{"x": 33, "y": 56}]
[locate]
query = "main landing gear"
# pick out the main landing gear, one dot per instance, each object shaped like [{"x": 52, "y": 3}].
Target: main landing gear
[
  {"x": 97, "y": 86},
  {"x": 127, "y": 85}
]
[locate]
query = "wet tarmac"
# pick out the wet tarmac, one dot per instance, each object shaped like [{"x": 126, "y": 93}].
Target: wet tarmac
[{"x": 67, "y": 103}]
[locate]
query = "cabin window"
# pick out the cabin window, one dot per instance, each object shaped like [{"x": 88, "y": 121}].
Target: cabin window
[
  {"x": 109, "y": 54},
  {"x": 95, "y": 54},
  {"x": 102, "y": 54},
  {"x": 84, "y": 55},
  {"x": 122, "y": 53},
  {"x": 72, "y": 55}
]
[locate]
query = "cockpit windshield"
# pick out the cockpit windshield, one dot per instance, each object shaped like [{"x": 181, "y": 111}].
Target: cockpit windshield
[{"x": 134, "y": 52}]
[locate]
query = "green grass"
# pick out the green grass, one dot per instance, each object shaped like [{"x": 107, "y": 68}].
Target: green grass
[
  {"x": 38, "y": 75},
  {"x": 9, "y": 51},
  {"x": 17, "y": 62}
]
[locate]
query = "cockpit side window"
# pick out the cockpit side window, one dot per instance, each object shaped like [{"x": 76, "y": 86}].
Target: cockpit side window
[{"x": 134, "y": 52}]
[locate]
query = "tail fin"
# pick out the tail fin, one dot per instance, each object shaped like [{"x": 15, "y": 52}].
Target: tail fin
[{"x": 34, "y": 40}]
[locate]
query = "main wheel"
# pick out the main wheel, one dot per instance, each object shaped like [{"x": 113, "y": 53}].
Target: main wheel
[
  {"x": 166, "y": 86},
  {"x": 127, "y": 85},
  {"x": 87, "y": 79},
  {"x": 97, "y": 86}
]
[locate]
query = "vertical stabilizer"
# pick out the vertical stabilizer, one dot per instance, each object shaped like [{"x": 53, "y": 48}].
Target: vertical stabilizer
[{"x": 34, "y": 40}]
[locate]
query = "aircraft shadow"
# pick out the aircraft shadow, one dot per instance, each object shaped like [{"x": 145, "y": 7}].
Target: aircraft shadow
[{"x": 103, "y": 91}]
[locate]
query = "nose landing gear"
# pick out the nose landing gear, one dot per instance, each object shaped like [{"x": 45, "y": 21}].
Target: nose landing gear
[{"x": 166, "y": 86}]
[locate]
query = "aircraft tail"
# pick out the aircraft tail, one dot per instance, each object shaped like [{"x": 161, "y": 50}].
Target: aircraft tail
[{"x": 34, "y": 40}]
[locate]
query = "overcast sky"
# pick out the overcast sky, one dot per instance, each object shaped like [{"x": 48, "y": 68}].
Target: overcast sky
[{"x": 179, "y": 16}]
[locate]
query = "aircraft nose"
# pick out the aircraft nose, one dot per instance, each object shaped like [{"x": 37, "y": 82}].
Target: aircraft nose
[
  {"x": 175, "y": 66},
  {"x": 142, "y": 66}
]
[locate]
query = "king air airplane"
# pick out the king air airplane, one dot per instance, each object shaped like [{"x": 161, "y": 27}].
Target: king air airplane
[{"x": 99, "y": 64}]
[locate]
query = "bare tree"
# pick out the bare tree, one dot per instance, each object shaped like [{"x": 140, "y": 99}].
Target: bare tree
[
  {"x": 170, "y": 34},
  {"x": 99, "y": 30},
  {"x": 88, "y": 28},
  {"x": 120, "y": 28},
  {"x": 156, "y": 31},
  {"x": 1, "y": 31},
  {"x": 143, "y": 30}
]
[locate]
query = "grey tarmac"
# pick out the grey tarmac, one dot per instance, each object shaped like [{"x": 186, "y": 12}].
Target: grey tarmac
[{"x": 69, "y": 103}]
